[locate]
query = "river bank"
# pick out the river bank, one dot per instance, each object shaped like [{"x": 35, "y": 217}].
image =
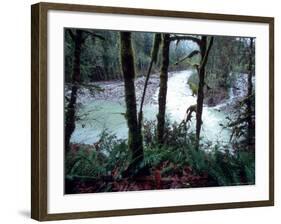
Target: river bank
[
  {"x": 105, "y": 110},
  {"x": 113, "y": 91}
]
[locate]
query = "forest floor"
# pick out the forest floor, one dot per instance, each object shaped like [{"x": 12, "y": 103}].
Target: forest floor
[
  {"x": 180, "y": 178},
  {"x": 166, "y": 175},
  {"x": 202, "y": 170}
]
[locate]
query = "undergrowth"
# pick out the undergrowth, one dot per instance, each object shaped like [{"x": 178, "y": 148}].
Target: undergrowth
[{"x": 177, "y": 160}]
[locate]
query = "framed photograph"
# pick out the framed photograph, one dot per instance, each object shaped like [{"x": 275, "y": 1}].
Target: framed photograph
[{"x": 139, "y": 111}]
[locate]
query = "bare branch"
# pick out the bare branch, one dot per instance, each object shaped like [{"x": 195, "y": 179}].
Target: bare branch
[
  {"x": 191, "y": 38},
  {"x": 188, "y": 56},
  {"x": 92, "y": 34}
]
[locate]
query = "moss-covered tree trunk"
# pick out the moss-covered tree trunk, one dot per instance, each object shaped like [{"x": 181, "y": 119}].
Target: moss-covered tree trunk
[
  {"x": 76, "y": 77},
  {"x": 135, "y": 144},
  {"x": 163, "y": 89},
  {"x": 250, "y": 124},
  {"x": 200, "y": 94}
]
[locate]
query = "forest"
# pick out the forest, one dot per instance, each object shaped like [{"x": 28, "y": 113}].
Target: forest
[{"x": 152, "y": 111}]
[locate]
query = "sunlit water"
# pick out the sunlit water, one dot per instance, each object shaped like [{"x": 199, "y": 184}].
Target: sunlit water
[{"x": 99, "y": 115}]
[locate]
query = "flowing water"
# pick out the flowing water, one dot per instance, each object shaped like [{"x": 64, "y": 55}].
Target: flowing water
[{"x": 98, "y": 115}]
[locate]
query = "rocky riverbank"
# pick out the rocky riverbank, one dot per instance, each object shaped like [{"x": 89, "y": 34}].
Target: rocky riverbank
[{"x": 113, "y": 91}]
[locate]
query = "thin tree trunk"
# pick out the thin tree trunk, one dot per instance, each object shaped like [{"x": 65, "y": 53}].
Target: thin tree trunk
[
  {"x": 143, "y": 95},
  {"x": 135, "y": 144},
  {"x": 249, "y": 97},
  {"x": 154, "y": 54},
  {"x": 76, "y": 76},
  {"x": 163, "y": 89}
]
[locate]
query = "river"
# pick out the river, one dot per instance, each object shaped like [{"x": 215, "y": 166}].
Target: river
[{"x": 98, "y": 115}]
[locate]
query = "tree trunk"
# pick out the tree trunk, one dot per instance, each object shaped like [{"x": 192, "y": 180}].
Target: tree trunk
[
  {"x": 135, "y": 144},
  {"x": 200, "y": 92},
  {"x": 249, "y": 97},
  {"x": 163, "y": 89},
  {"x": 76, "y": 76},
  {"x": 154, "y": 55}
]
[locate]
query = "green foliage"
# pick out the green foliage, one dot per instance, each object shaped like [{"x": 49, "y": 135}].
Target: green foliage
[
  {"x": 242, "y": 121},
  {"x": 111, "y": 157},
  {"x": 193, "y": 87},
  {"x": 173, "y": 134},
  {"x": 108, "y": 156},
  {"x": 224, "y": 168},
  {"x": 228, "y": 55},
  {"x": 142, "y": 44},
  {"x": 238, "y": 122},
  {"x": 99, "y": 58},
  {"x": 85, "y": 163},
  {"x": 68, "y": 56},
  {"x": 193, "y": 83}
]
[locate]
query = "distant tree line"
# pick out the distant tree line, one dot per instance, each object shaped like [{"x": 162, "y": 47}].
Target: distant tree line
[{"x": 100, "y": 59}]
